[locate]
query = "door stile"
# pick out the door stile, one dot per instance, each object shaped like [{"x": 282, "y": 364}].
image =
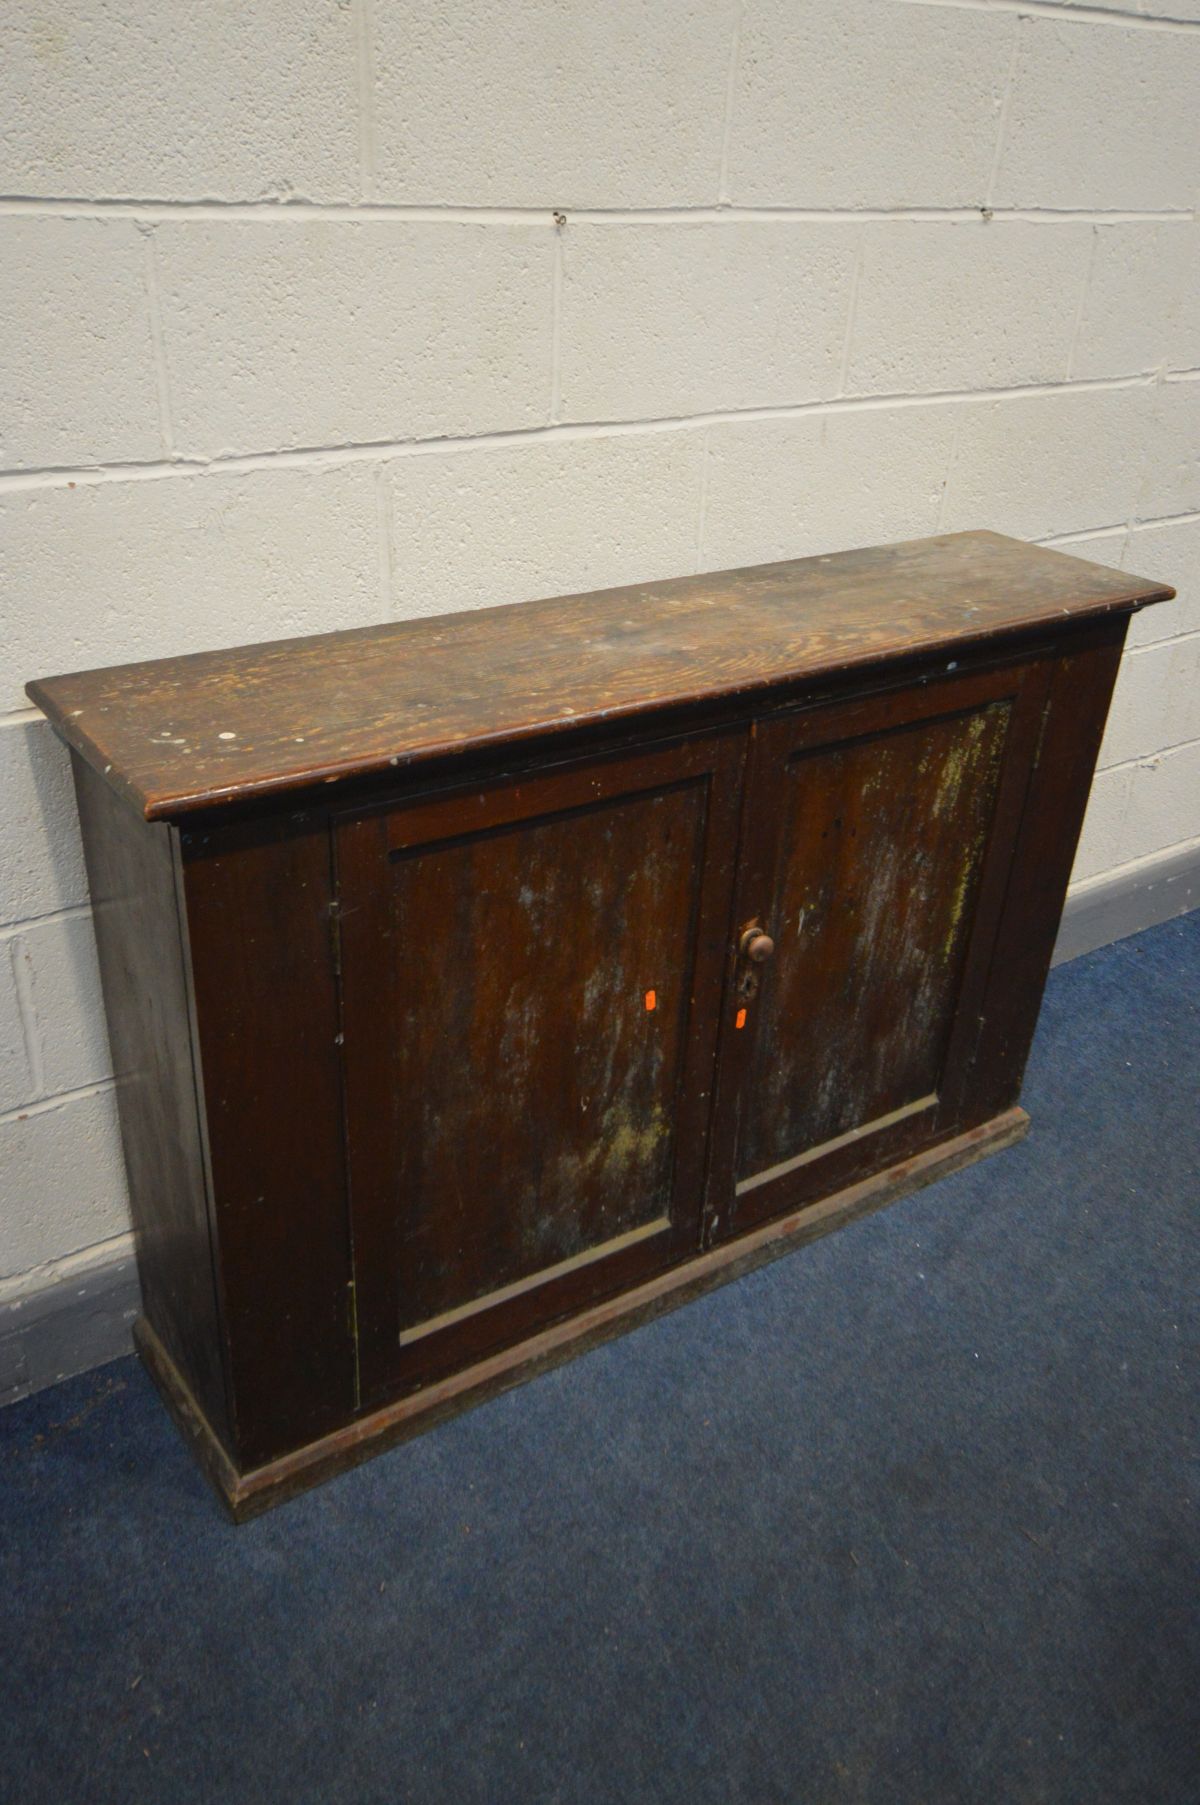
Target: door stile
[
  {"x": 756, "y": 860},
  {"x": 955, "y": 1105},
  {"x": 697, "y": 1089}
]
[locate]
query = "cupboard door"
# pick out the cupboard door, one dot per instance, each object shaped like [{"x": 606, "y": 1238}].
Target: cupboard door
[
  {"x": 530, "y": 971},
  {"x": 877, "y": 842}
]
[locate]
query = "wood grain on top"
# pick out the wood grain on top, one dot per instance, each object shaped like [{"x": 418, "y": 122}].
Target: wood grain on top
[{"x": 178, "y": 734}]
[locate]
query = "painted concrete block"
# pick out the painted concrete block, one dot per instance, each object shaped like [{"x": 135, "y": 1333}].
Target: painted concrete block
[
  {"x": 1164, "y": 802},
  {"x": 353, "y": 332},
  {"x": 1170, "y": 551},
  {"x": 1183, "y": 337},
  {"x": 1172, "y": 469},
  {"x": 41, "y": 856},
  {"x": 1138, "y": 297},
  {"x": 863, "y": 105},
  {"x": 663, "y": 321},
  {"x": 475, "y": 528},
  {"x": 115, "y": 98},
  {"x": 64, "y": 1181},
  {"x": 1036, "y": 465},
  {"x": 544, "y": 105},
  {"x": 1101, "y": 117},
  {"x": 1103, "y": 843},
  {"x": 68, "y": 1009},
  {"x": 1098, "y": 548},
  {"x": 823, "y": 483},
  {"x": 77, "y": 382},
  {"x": 958, "y": 305},
  {"x": 1156, "y": 704},
  {"x": 1154, "y": 9},
  {"x": 16, "y": 1073}
]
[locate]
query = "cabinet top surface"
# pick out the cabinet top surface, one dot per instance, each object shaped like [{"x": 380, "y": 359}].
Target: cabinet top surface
[{"x": 210, "y": 728}]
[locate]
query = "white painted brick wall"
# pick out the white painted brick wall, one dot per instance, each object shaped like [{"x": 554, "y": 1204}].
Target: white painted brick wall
[
  {"x": 1140, "y": 302},
  {"x": 17, "y": 1082},
  {"x": 294, "y": 341},
  {"x": 112, "y": 98},
  {"x": 1172, "y": 480},
  {"x": 663, "y": 321},
  {"x": 64, "y": 1186},
  {"x": 336, "y": 332},
  {"x": 979, "y": 306},
  {"x": 41, "y": 855},
  {"x": 850, "y": 103},
  {"x": 1029, "y": 463},
  {"x": 475, "y": 528},
  {"x": 77, "y": 379},
  {"x": 544, "y": 104},
  {"x": 68, "y": 1047},
  {"x": 1101, "y": 117},
  {"x": 1160, "y": 546},
  {"x": 773, "y": 486}
]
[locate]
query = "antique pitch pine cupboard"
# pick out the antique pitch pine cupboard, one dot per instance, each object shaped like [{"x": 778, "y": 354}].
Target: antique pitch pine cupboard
[{"x": 480, "y": 986}]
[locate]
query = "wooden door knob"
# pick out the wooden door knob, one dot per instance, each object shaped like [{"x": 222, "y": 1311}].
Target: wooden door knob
[{"x": 756, "y": 946}]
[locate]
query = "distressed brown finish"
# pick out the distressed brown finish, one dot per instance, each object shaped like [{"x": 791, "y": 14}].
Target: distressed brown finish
[
  {"x": 881, "y": 847},
  {"x": 727, "y": 919},
  {"x": 258, "y": 901},
  {"x": 1080, "y": 687},
  {"x": 183, "y": 733},
  {"x": 132, "y": 875},
  {"x": 529, "y": 1041},
  {"x": 875, "y": 850}
]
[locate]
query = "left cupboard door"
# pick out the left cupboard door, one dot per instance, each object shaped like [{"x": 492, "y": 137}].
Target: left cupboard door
[{"x": 529, "y": 973}]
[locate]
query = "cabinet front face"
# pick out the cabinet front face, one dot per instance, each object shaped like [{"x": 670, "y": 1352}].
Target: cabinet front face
[
  {"x": 876, "y": 845},
  {"x": 529, "y": 975}
]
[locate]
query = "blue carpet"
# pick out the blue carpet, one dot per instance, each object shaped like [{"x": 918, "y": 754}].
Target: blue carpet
[{"x": 909, "y": 1516}]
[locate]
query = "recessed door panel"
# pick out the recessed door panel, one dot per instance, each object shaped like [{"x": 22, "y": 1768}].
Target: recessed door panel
[
  {"x": 867, "y": 901},
  {"x": 526, "y": 1074},
  {"x": 882, "y": 844},
  {"x": 539, "y": 1039}
]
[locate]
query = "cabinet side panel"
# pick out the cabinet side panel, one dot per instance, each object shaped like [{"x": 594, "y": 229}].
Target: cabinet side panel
[
  {"x": 1076, "y": 709},
  {"x": 258, "y": 907},
  {"x": 131, "y": 874}
]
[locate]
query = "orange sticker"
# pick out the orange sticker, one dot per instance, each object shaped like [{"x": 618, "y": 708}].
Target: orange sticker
[
  {"x": 741, "y": 1019},
  {"x": 651, "y": 1000}
]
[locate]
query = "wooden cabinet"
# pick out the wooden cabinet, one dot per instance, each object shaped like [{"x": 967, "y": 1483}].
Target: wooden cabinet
[{"x": 479, "y": 987}]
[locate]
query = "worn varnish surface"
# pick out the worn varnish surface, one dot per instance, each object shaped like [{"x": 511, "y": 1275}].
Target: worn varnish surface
[
  {"x": 530, "y": 974},
  {"x": 1080, "y": 687},
  {"x": 553, "y": 969},
  {"x": 876, "y": 848},
  {"x": 264, "y": 999},
  {"x": 882, "y": 845},
  {"x": 133, "y": 879},
  {"x": 184, "y": 733}
]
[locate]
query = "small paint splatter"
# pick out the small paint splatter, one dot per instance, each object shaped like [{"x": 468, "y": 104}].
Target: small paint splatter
[
  {"x": 740, "y": 1020},
  {"x": 651, "y": 1001}
]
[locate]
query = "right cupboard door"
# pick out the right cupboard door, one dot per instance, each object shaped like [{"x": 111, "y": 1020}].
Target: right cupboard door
[{"x": 876, "y": 845}]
